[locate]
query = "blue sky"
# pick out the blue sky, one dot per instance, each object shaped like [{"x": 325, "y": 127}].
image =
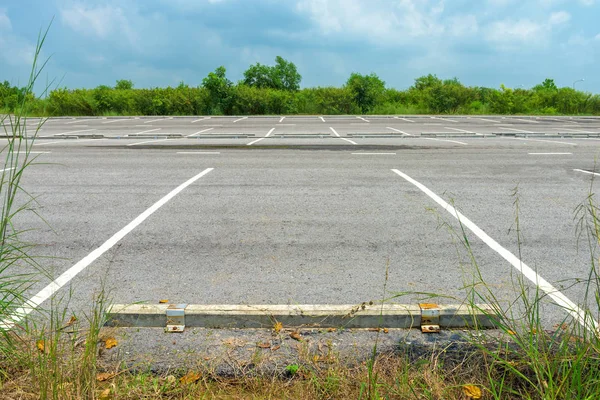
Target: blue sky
[{"x": 163, "y": 42}]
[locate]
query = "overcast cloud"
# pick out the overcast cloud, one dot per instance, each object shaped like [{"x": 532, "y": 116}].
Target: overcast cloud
[{"x": 164, "y": 42}]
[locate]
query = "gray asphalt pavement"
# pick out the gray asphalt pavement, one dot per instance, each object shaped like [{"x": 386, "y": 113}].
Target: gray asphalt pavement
[{"x": 306, "y": 220}]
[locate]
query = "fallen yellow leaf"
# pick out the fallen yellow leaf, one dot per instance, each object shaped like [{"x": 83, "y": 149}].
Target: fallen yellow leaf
[
  {"x": 331, "y": 330},
  {"x": 110, "y": 342},
  {"x": 472, "y": 392},
  {"x": 190, "y": 377},
  {"x": 296, "y": 336},
  {"x": 275, "y": 348},
  {"x": 163, "y": 301},
  {"x": 104, "y": 376},
  {"x": 277, "y": 327},
  {"x": 266, "y": 345},
  {"x": 105, "y": 394},
  {"x": 386, "y": 330},
  {"x": 511, "y": 332},
  {"x": 72, "y": 320},
  {"x": 41, "y": 345}
]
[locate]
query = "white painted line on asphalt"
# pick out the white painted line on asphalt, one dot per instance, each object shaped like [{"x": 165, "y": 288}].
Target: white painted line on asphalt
[
  {"x": 269, "y": 133},
  {"x": 525, "y": 120},
  {"x": 489, "y": 120},
  {"x": 35, "y": 152},
  {"x": 147, "y": 141},
  {"x": 115, "y": 120},
  {"x": 558, "y": 297},
  {"x": 366, "y": 120},
  {"x": 462, "y": 130},
  {"x": 586, "y": 172},
  {"x": 148, "y": 131},
  {"x": 549, "y": 154},
  {"x": 199, "y": 132},
  {"x": 436, "y": 124},
  {"x": 68, "y": 133},
  {"x": 516, "y": 130},
  {"x": 348, "y": 140},
  {"x": 444, "y": 119},
  {"x": 334, "y": 132},
  {"x": 444, "y": 140},
  {"x": 78, "y": 121},
  {"x": 198, "y": 152},
  {"x": 241, "y": 119},
  {"x": 7, "y": 169},
  {"x": 63, "y": 141},
  {"x": 405, "y": 119},
  {"x": 201, "y": 119},
  {"x": 155, "y": 120},
  {"x": 544, "y": 141},
  {"x": 31, "y": 304},
  {"x": 374, "y": 154},
  {"x": 281, "y": 120},
  {"x": 322, "y": 119},
  {"x": 573, "y": 130},
  {"x": 256, "y": 141},
  {"x": 399, "y": 131}
]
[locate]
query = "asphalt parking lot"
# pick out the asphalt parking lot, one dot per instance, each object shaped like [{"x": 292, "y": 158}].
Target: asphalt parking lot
[{"x": 309, "y": 210}]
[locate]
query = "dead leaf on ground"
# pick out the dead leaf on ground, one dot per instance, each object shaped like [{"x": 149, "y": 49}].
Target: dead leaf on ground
[
  {"x": 331, "y": 330},
  {"x": 472, "y": 392},
  {"x": 110, "y": 342},
  {"x": 234, "y": 342},
  {"x": 296, "y": 336},
  {"x": 374, "y": 329},
  {"x": 163, "y": 301},
  {"x": 105, "y": 394},
  {"x": 41, "y": 345},
  {"x": 104, "y": 376},
  {"x": 275, "y": 348},
  {"x": 72, "y": 320},
  {"x": 190, "y": 377},
  {"x": 266, "y": 345},
  {"x": 277, "y": 327}
]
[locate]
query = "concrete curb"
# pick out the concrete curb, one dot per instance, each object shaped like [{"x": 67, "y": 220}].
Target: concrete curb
[{"x": 307, "y": 316}]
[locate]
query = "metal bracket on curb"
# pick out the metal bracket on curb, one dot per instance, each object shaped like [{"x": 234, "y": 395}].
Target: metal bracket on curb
[
  {"x": 176, "y": 317},
  {"x": 430, "y": 318}
]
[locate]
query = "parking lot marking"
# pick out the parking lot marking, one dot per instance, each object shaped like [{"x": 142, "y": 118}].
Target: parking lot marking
[
  {"x": 366, "y": 120},
  {"x": 587, "y": 172},
  {"x": 201, "y": 119},
  {"x": 240, "y": 119},
  {"x": 142, "y": 132},
  {"x": 115, "y": 120},
  {"x": 78, "y": 121},
  {"x": 445, "y": 140},
  {"x": 558, "y": 297},
  {"x": 7, "y": 169},
  {"x": 348, "y": 140},
  {"x": 147, "y": 141},
  {"x": 405, "y": 119},
  {"x": 199, "y": 132},
  {"x": 334, "y": 132},
  {"x": 281, "y": 120},
  {"x": 256, "y": 141},
  {"x": 544, "y": 141},
  {"x": 68, "y": 133},
  {"x": 488, "y": 120},
  {"x": 444, "y": 119},
  {"x": 462, "y": 130},
  {"x": 526, "y": 120},
  {"x": 322, "y": 119},
  {"x": 269, "y": 133},
  {"x": 198, "y": 152},
  {"x": 516, "y": 130},
  {"x": 155, "y": 120},
  {"x": 63, "y": 141},
  {"x": 72, "y": 272},
  {"x": 549, "y": 154},
  {"x": 399, "y": 131},
  {"x": 374, "y": 154}
]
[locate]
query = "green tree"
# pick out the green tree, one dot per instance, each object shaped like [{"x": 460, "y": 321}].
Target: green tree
[
  {"x": 219, "y": 88},
  {"x": 366, "y": 90},
  {"x": 124, "y": 84},
  {"x": 282, "y": 76}
]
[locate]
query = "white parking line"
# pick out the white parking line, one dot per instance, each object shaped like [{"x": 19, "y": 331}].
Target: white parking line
[
  {"x": 240, "y": 119},
  {"x": 334, "y": 132},
  {"x": 269, "y": 133},
  {"x": 444, "y": 119},
  {"x": 155, "y": 120},
  {"x": 405, "y": 119},
  {"x": 201, "y": 119},
  {"x": 374, "y": 154},
  {"x": 366, "y": 120},
  {"x": 322, "y": 119},
  {"x": 549, "y": 154},
  {"x": 544, "y": 141},
  {"x": 256, "y": 141},
  {"x": 574, "y": 130},
  {"x": 348, "y": 140},
  {"x": 587, "y": 172},
  {"x": 67, "y": 133},
  {"x": 516, "y": 130},
  {"x": 7, "y": 169},
  {"x": 559, "y": 298},
  {"x": 399, "y": 131},
  {"x": 488, "y": 120},
  {"x": 63, "y": 141},
  {"x": 198, "y": 152},
  {"x": 281, "y": 120},
  {"x": 31, "y": 304},
  {"x": 78, "y": 121},
  {"x": 526, "y": 120},
  {"x": 147, "y": 141},
  {"x": 142, "y": 132},
  {"x": 462, "y": 130},
  {"x": 445, "y": 140},
  {"x": 199, "y": 132},
  {"x": 112, "y": 121}
]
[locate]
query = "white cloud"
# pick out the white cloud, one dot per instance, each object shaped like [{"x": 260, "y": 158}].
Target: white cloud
[
  {"x": 588, "y": 2},
  {"x": 511, "y": 31},
  {"x": 5, "y": 24},
  {"x": 558, "y": 18},
  {"x": 100, "y": 22}
]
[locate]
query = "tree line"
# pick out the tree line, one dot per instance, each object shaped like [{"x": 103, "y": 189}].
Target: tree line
[{"x": 275, "y": 90}]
